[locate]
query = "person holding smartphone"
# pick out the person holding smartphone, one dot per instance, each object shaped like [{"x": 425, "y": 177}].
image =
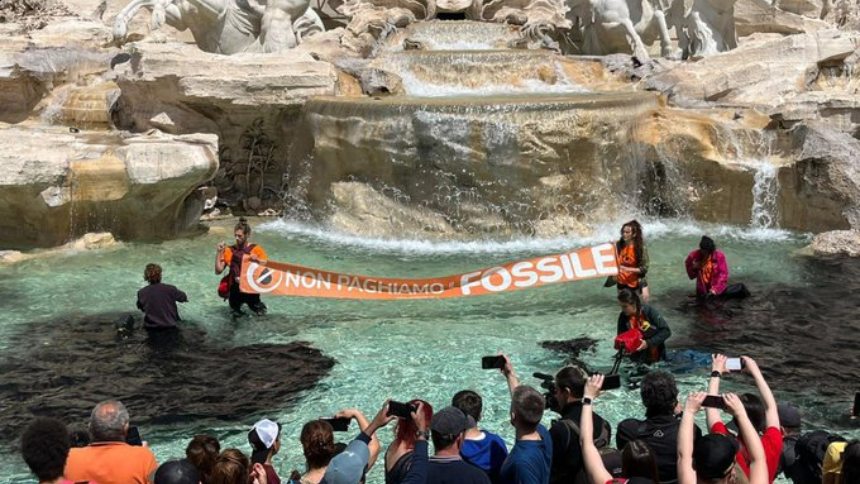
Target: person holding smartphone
[
  {"x": 771, "y": 436},
  {"x": 400, "y": 454},
  {"x": 638, "y": 461},
  {"x": 712, "y": 458}
]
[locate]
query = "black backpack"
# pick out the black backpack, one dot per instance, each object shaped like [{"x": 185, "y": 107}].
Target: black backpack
[{"x": 810, "y": 450}]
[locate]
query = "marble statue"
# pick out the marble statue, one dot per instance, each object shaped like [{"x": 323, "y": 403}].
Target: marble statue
[
  {"x": 705, "y": 27},
  {"x": 230, "y": 26},
  {"x": 621, "y": 26}
]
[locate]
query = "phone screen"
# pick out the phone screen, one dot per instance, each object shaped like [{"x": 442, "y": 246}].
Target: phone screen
[
  {"x": 399, "y": 409},
  {"x": 338, "y": 424},
  {"x": 714, "y": 401},
  {"x": 611, "y": 382},
  {"x": 856, "y": 412},
  {"x": 734, "y": 364},
  {"x": 133, "y": 437},
  {"x": 492, "y": 362}
]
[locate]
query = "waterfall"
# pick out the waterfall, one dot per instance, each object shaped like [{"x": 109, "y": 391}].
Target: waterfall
[{"x": 765, "y": 193}]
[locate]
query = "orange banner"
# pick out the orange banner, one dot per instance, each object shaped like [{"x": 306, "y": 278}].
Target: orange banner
[{"x": 292, "y": 280}]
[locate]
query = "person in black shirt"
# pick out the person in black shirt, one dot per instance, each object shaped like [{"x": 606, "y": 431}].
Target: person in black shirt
[
  {"x": 158, "y": 301},
  {"x": 566, "y": 451},
  {"x": 660, "y": 428}
]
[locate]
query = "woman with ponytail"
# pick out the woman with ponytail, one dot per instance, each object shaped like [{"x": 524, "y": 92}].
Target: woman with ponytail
[{"x": 232, "y": 257}]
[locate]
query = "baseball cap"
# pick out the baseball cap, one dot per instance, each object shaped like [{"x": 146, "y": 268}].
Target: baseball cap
[
  {"x": 449, "y": 421},
  {"x": 348, "y": 467},
  {"x": 713, "y": 455},
  {"x": 262, "y": 437},
  {"x": 789, "y": 415}
]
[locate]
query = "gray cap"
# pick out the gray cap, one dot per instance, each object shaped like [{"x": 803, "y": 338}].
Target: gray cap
[
  {"x": 789, "y": 415},
  {"x": 449, "y": 421},
  {"x": 348, "y": 467}
]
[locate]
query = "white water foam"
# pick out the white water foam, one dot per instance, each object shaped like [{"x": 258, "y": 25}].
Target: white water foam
[
  {"x": 655, "y": 228},
  {"x": 418, "y": 87},
  {"x": 765, "y": 193}
]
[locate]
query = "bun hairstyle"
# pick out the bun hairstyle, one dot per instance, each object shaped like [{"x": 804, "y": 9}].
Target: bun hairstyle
[
  {"x": 152, "y": 273},
  {"x": 318, "y": 443},
  {"x": 242, "y": 225}
]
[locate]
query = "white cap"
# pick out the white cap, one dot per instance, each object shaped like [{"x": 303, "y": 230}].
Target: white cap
[{"x": 267, "y": 431}]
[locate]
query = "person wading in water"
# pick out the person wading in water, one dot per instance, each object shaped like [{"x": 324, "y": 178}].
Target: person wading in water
[
  {"x": 232, "y": 257},
  {"x": 632, "y": 260}
]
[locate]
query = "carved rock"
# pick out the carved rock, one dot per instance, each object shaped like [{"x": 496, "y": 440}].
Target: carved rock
[{"x": 58, "y": 184}]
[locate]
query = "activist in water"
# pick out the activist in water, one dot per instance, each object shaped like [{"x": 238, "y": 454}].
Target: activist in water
[
  {"x": 632, "y": 260},
  {"x": 642, "y": 331},
  {"x": 232, "y": 257}
]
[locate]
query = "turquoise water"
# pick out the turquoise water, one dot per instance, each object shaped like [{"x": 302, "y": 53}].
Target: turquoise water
[{"x": 399, "y": 350}]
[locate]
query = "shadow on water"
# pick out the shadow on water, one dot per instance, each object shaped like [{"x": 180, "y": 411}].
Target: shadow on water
[
  {"x": 64, "y": 367},
  {"x": 804, "y": 338}
]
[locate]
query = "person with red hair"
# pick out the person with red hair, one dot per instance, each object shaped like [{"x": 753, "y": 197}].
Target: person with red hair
[{"x": 398, "y": 456}]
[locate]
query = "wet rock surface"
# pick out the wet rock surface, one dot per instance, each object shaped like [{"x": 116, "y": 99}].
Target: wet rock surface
[{"x": 62, "y": 368}]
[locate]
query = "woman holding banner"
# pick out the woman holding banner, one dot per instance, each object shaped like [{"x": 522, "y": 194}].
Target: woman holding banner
[
  {"x": 232, "y": 257},
  {"x": 632, "y": 260}
]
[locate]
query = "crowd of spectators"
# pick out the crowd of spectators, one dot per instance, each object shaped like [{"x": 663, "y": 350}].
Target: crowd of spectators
[{"x": 663, "y": 445}]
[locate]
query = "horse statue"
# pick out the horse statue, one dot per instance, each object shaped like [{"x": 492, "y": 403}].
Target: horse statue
[
  {"x": 230, "y": 26},
  {"x": 620, "y": 26}
]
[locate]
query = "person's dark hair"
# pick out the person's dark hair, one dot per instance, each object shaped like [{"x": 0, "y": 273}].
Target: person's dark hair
[
  {"x": 528, "y": 404},
  {"x": 318, "y": 443},
  {"x": 851, "y": 462},
  {"x": 629, "y": 296},
  {"x": 177, "y": 472},
  {"x": 406, "y": 429},
  {"x": 202, "y": 452},
  {"x": 243, "y": 225},
  {"x": 231, "y": 467},
  {"x": 45, "y": 447},
  {"x": 638, "y": 238},
  {"x": 79, "y": 438},
  {"x": 108, "y": 422},
  {"x": 755, "y": 410},
  {"x": 707, "y": 244},
  {"x": 442, "y": 441},
  {"x": 152, "y": 273},
  {"x": 573, "y": 378},
  {"x": 638, "y": 460},
  {"x": 470, "y": 403},
  {"x": 659, "y": 393}
]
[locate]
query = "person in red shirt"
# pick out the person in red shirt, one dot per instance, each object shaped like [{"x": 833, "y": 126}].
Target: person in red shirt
[
  {"x": 231, "y": 257},
  {"x": 768, "y": 427}
]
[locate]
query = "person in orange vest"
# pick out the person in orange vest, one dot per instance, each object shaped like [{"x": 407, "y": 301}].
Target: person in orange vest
[
  {"x": 632, "y": 257},
  {"x": 232, "y": 257},
  {"x": 653, "y": 328}
]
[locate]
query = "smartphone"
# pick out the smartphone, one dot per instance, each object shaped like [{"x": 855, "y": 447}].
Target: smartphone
[
  {"x": 133, "y": 437},
  {"x": 338, "y": 424},
  {"x": 611, "y": 382},
  {"x": 714, "y": 401},
  {"x": 399, "y": 409},
  {"x": 856, "y": 411},
  {"x": 492, "y": 362},
  {"x": 734, "y": 364}
]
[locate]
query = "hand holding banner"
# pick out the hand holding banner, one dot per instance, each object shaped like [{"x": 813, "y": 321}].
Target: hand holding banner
[{"x": 293, "y": 280}]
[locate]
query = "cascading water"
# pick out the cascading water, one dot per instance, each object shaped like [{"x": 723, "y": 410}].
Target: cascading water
[{"x": 765, "y": 193}]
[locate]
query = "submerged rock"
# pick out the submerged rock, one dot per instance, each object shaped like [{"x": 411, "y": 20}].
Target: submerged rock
[
  {"x": 572, "y": 348},
  {"x": 62, "y": 368}
]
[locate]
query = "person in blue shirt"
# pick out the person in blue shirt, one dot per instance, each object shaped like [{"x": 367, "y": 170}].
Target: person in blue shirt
[
  {"x": 530, "y": 460},
  {"x": 481, "y": 448}
]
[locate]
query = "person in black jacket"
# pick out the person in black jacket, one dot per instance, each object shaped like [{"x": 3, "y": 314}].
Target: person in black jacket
[
  {"x": 567, "y": 461},
  {"x": 655, "y": 331},
  {"x": 158, "y": 301},
  {"x": 660, "y": 428}
]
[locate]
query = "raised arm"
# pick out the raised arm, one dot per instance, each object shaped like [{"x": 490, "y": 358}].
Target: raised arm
[
  {"x": 718, "y": 365},
  {"x": 220, "y": 264},
  {"x": 692, "y": 264},
  {"x": 510, "y": 375},
  {"x": 374, "y": 446},
  {"x": 686, "y": 474},
  {"x": 771, "y": 414},
  {"x": 750, "y": 439},
  {"x": 597, "y": 473}
]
